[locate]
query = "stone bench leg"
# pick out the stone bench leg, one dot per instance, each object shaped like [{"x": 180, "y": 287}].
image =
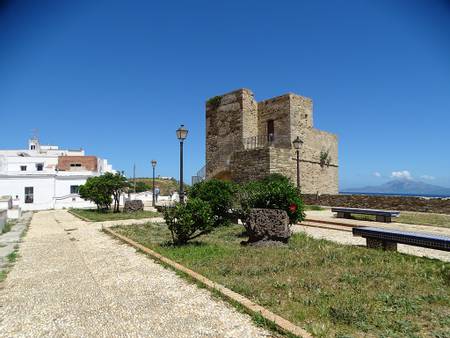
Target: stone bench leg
[
  {"x": 381, "y": 218},
  {"x": 343, "y": 215},
  {"x": 374, "y": 243}
]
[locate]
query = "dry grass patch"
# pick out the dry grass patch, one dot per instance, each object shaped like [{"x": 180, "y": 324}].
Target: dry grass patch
[{"x": 327, "y": 288}]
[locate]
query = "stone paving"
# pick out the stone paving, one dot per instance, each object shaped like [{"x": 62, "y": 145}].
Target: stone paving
[
  {"x": 10, "y": 239},
  {"x": 71, "y": 280}
]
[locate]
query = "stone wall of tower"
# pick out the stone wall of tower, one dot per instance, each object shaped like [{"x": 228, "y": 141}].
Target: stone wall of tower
[
  {"x": 278, "y": 110},
  {"x": 251, "y": 164},
  {"x": 229, "y": 118},
  {"x": 234, "y": 117}
]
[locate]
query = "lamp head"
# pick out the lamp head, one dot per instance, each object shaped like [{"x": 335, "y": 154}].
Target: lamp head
[
  {"x": 297, "y": 143},
  {"x": 182, "y": 133}
]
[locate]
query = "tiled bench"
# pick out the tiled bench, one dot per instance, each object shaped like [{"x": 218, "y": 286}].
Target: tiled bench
[
  {"x": 387, "y": 239},
  {"x": 381, "y": 215}
]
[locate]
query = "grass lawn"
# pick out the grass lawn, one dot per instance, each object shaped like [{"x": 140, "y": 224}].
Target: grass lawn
[
  {"x": 418, "y": 218},
  {"x": 98, "y": 216},
  {"x": 327, "y": 288},
  {"x": 2, "y": 275}
]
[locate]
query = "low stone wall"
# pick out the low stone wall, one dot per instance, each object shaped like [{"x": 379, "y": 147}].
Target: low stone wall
[{"x": 420, "y": 204}]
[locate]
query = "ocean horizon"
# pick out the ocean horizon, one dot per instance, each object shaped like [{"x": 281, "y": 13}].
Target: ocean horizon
[{"x": 393, "y": 194}]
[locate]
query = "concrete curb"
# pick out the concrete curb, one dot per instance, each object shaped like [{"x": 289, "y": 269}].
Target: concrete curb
[
  {"x": 283, "y": 324},
  {"x": 80, "y": 217}
]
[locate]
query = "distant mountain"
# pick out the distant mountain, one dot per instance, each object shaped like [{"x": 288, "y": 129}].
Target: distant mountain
[{"x": 405, "y": 186}]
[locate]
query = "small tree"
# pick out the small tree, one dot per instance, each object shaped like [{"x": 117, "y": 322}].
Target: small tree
[
  {"x": 219, "y": 195},
  {"x": 141, "y": 186},
  {"x": 189, "y": 221},
  {"x": 102, "y": 190},
  {"x": 117, "y": 184},
  {"x": 95, "y": 190}
]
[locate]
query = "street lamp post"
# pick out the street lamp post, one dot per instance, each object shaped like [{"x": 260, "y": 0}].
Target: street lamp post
[
  {"x": 297, "y": 145},
  {"x": 181, "y": 135},
  {"x": 153, "y": 186}
]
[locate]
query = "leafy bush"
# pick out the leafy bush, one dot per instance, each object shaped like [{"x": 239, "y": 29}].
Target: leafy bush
[
  {"x": 140, "y": 186},
  {"x": 190, "y": 220},
  {"x": 273, "y": 192},
  {"x": 219, "y": 195}
]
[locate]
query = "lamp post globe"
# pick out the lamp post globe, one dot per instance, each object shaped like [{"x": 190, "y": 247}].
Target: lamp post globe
[
  {"x": 153, "y": 183},
  {"x": 297, "y": 145},
  {"x": 182, "y": 133}
]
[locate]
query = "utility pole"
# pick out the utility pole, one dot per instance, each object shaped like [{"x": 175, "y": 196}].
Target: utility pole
[{"x": 134, "y": 178}]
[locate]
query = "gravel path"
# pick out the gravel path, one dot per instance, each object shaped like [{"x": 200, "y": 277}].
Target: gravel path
[{"x": 74, "y": 281}]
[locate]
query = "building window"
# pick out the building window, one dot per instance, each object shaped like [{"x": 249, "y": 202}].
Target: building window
[
  {"x": 270, "y": 130},
  {"x": 74, "y": 189},
  {"x": 75, "y": 164},
  {"x": 29, "y": 194},
  {"x": 23, "y": 168},
  {"x": 39, "y": 167}
]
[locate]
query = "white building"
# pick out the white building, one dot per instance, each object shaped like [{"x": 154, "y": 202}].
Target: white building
[{"x": 46, "y": 177}]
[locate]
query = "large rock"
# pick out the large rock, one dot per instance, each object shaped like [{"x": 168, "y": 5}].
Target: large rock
[
  {"x": 267, "y": 225},
  {"x": 133, "y": 205}
]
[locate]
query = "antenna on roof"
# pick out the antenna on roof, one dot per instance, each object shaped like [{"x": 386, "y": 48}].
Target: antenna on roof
[{"x": 35, "y": 134}]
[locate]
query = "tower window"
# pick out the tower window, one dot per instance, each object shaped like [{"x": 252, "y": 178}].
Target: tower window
[
  {"x": 270, "y": 130},
  {"x": 32, "y": 147},
  {"x": 23, "y": 168}
]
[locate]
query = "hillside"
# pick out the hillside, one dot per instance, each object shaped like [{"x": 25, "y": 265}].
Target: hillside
[
  {"x": 165, "y": 186},
  {"x": 404, "y": 187}
]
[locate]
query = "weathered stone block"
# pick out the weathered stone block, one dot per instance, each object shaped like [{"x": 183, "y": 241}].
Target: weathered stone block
[
  {"x": 133, "y": 205},
  {"x": 266, "y": 225}
]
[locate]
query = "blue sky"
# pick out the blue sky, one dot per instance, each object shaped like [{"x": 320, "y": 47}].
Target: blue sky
[{"x": 118, "y": 77}]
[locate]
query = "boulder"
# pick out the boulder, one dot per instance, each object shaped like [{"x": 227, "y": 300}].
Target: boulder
[
  {"x": 267, "y": 226},
  {"x": 133, "y": 205}
]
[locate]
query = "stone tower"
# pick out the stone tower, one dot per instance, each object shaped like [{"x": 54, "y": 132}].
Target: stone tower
[{"x": 247, "y": 140}]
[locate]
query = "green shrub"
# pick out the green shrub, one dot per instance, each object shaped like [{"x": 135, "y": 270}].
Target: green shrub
[
  {"x": 190, "y": 220},
  {"x": 273, "y": 192},
  {"x": 219, "y": 195}
]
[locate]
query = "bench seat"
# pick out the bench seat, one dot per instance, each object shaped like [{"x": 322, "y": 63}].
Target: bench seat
[
  {"x": 381, "y": 215},
  {"x": 387, "y": 239}
]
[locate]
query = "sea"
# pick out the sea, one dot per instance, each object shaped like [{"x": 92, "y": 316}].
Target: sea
[{"x": 385, "y": 194}]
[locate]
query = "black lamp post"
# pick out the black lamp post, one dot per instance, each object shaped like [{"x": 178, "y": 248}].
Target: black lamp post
[
  {"x": 153, "y": 187},
  {"x": 181, "y": 135},
  {"x": 297, "y": 145}
]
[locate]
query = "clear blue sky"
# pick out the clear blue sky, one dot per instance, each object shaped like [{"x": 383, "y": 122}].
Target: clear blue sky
[{"x": 118, "y": 77}]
